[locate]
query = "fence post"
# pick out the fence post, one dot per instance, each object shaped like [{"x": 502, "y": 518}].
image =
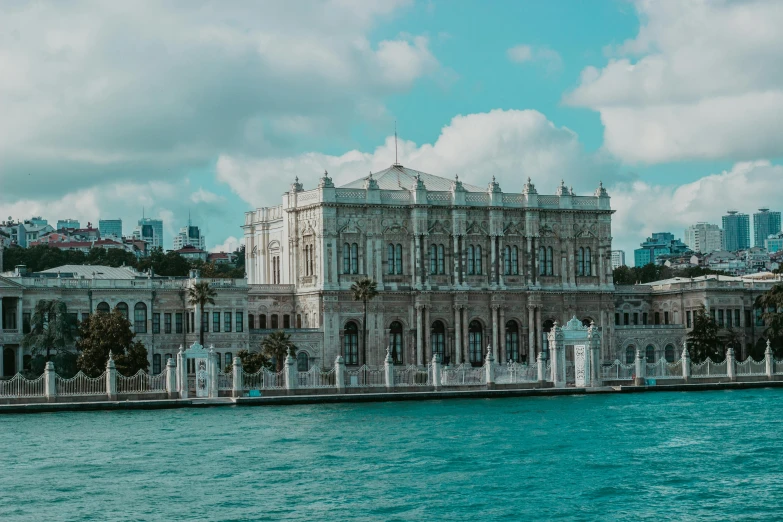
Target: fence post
[
  {"x": 182, "y": 373},
  {"x": 489, "y": 367},
  {"x": 49, "y": 381},
  {"x": 388, "y": 370},
  {"x": 686, "y": 363},
  {"x": 290, "y": 373},
  {"x": 237, "y": 373},
  {"x": 641, "y": 369},
  {"x": 436, "y": 369},
  {"x": 540, "y": 367},
  {"x": 339, "y": 373},
  {"x": 213, "y": 367},
  {"x": 171, "y": 379},
  {"x": 731, "y": 369},
  {"x": 768, "y": 360},
  {"x": 111, "y": 378}
]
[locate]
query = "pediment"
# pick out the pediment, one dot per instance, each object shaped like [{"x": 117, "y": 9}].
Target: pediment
[
  {"x": 439, "y": 228},
  {"x": 7, "y": 283},
  {"x": 476, "y": 228}
]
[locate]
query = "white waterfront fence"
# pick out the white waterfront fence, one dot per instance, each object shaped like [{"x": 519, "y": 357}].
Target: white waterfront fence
[
  {"x": 81, "y": 384},
  {"x": 141, "y": 382},
  {"x": 464, "y": 375},
  {"x": 515, "y": 373}
]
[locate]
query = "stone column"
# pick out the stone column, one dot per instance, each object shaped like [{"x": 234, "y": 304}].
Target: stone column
[
  {"x": 171, "y": 379},
  {"x": 465, "y": 339},
  {"x": 182, "y": 374},
  {"x": 641, "y": 368},
  {"x": 494, "y": 312},
  {"x": 529, "y": 262},
  {"x": 19, "y": 357},
  {"x": 493, "y": 261},
  {"x": 686, "y": 362},
  {"x": 502, "y": 262},
  {"x": 731, "y": 369},
  {"x": 111, "y": 379},
  {"x": 291, "y": 374},
  {"x": 502, "y": 333},
  {"x": 540, "y": 367},
  {"x": 19, "y": 321},
  {"x": 212, "y": 367},
  {"x": 50, "y": 386},
  {"x": 458, "y": 334},
  {"x": 540, "y": 331},
  {"x": 427, "y": 332},
  {"x": 388, "y": 370},
  {"x": 436, "y": 369},
  {"x": 419, "y": 336},
  {"x": 2, "y": 326},
  {"x": 531, "y": 334},
  {"x": 417, "y": 262},
  {"x": 238, "y": 376},
  {"x": 455, "y": 240},
  {"x": 2, "y": 370},
  {"x": 339, "y": 373},
  {"x": 768, "y": 361},
  {"x": 489, "y": 368}
]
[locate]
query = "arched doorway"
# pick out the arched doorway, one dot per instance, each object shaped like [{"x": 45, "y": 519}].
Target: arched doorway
[
  {"x": 9, "y": 362},
  {"x": 351, "y": 344},
  {"x": 649, "y": 353},
  {"x": 395, "y": 342},
  {"x": 475, "y": 343},
  {"x": 512, "y": 341},
  {"x": 438, "y": 339},
  {"x": 669, "y": 353},
  {"x": 587, "y": 321},
  {"x": 302, "y": 362},
  {"x": 630, "y": 354}
]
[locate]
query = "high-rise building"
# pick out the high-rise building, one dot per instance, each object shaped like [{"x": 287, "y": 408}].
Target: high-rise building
[
  {"x": 68, "y": 224},
  {"x": 703, "y": 237},
  {"x": 110, "y": 228},
  {"x": 618, "y": 258},
  {"x": 765, "y": 224},
  {"x": 151, "y": 231},
  {"x": 661, "y": 243},
  {"x": 736, "y": 231},
  {"x": 189, "y": 235}
]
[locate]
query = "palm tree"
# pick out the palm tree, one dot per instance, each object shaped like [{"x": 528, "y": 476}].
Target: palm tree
[
  {"x": 200, "y": 295},
  {"x": 50, "y": 328},
  {"x": 364, "y": 290},
  {"x": 277, "y": 345}
]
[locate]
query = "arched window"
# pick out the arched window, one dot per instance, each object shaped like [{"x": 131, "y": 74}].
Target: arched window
[
  {"x": 219, "y": 359},
  {"x": 507, "y": 260},
  {"x": 438, "y": 336},
  {"x": 580, "y": 261},
  {"x": 542, "y": 261},
  {"x": 103, "y": 307},
  {"x": 669, "y": 353},
  {"x": 298, "y": 320},
  {"x": 229, "y": 359},
  {"x": 395, "y": 342},
  {"x": 433, "y": 259},
  {"x": 587, "y": 322},
  {"x": 390, "y": 258},
  {"x": 251, "y": 321},
  {"x": 548, "y": 325},
  {"x": 588, "y": 262},
  {"x": 549, "y": 262},
  {"x": 354, "y": 258},
  {"x": 398, "y": 258},
  {"x": 351, "y": 344},
  {"x": 140, "y": 318},
  {"x": 475, "y": 343},
  {"x": 441, "y": 260},
  {"x": 478, "y": 260},
  {"x": 262, "y": 321},
  {"x": 650, "y": 353},
  {"x": 275, "y": 322},
  {"x": 512, "y": 341},
  {"x": 471, "y": 265},
  {"x": 515, "y": 260},
  {"x": 346, "y": 258},
  {"x": 302, "y": 362},
  {"x": 123, "y": 309},
  {"x": 630, "y": 354}
]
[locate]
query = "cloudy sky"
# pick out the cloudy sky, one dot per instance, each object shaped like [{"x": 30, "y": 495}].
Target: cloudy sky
[{"x": 212, "y": 108}]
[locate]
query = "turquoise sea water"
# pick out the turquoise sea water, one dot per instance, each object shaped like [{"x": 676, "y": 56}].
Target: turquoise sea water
[{"x": 654, "y": 456}]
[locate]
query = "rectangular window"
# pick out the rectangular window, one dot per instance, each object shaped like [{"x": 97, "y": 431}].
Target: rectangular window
[
  {"x": 156, "y": 364},
  {"x": 759, "y": 318},
  {"x": 688, "y": 318},
  {"x": 644, "y": 318},
  {"x": 216, "y": 322},
  {"x": 666, "y": 318},
  {"x": 712, "y": 314},
  {"x": 737, "y": 318},
  {"x": 140, "y": 320},
  {"x": 156, "y": 323},
  {"x": 720, "y": 318},
  {"x": 262, "y": 321},
  {"x": 85, "y": 315},
  {"x": 625, "y": 318},
  {"x": 657, "y": 317},
  {"x": 178, "y": 322},
  {"x": 747, "y": 318},
  {"x": 729, "y": 319},
  {"x": 26, "y": 316},
  {"x": 187, "y": 322},
  {"x": 617, "y": 319},
  {"x": 167, "y": 323},
  {"x": 286, "y": 321},
  {"x": 274, "y": 322},
  {"x": 226, "y": 321},
  {"x": 636, "y": 318},
  {"x": 204, "y": 322},
  {"x": 239, "y": 317}
]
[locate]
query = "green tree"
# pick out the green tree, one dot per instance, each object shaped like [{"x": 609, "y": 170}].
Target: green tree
[
  {"x": 200, "y": 295},
  {"x": 101, "y": 333},
  {"x": 364, "y": 290},
  {"x": 770, "y": 303},
  {"x": 704, "y": 339},
  {"x": 251, "y": 361},
  {"x": 276, "y": 346},
  {"x": 51, "y": 329}
]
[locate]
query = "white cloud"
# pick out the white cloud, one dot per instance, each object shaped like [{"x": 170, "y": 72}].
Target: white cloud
[
  {"x": 746, "y": 187},
  {"x": 205, "y": 196},
  {"x": 510, "y": 145},
  {"x": 700, "y": 80},
  {"x": 229, "y": 245},
  {"x": 540, "y": 54}
]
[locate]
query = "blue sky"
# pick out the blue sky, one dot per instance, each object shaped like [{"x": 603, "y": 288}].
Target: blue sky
[{"x": 214, "y": 108}]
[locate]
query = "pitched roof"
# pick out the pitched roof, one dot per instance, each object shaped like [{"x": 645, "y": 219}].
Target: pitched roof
[
  {"x": 398, "y": 177},
  {"x": 94, "y": 271}
]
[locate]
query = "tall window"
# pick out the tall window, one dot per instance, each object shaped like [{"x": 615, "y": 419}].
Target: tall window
[
  {"x": 167, "y": 323},
  {"x": 650, "y": 353},
  {"x": 588, "y": 271},
  {"x": 354, "y": 258},
  {"x": 630, "y": 354},
  {"x": 580, "y": 261},
  {"x": 351, "y": 344},
  {"x": 512, "y": 341},
  {"x": 669, "y": 353},
  {"x": 688, "y": 318},
  {"x": 438, "y": 336},
  {"x": 103, "y": 307},
  {"x": 156, "y": 364},
  {"x": 479, "y": 270},
  {"x": 239, "y": 316},
  {"x": 441, "y": 260},
  {"x": 123, "y": 309},
  {"x": 262, "y": 321},
  {"x": 433, "y": 259},
  {"x": 471, "y": 264},
  {"x": 346, "y": 258},
  {"x": 155, "y": 323},
  {"x": 390, "y": 258},
  {"x": 227, "y": 321},
  {"x": 542, "y": 261},
  {"x": 277, "y": 270},
  {"x": 302, "y": 362},
  {"x": 251, "y": 321},
  {"x": 286, "y": 321},
  {"x": 229, "y": 359},
  {"x": 395, "y": 342},
  {"x": 511, "y": 260},
  {"x": 139, "y": 317},
  {"x": 475, "y": 342},
  {"x": 549, "y": 262},
  {"x": 215, "y": 321},
  {"x": 507, "y": 260}
]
